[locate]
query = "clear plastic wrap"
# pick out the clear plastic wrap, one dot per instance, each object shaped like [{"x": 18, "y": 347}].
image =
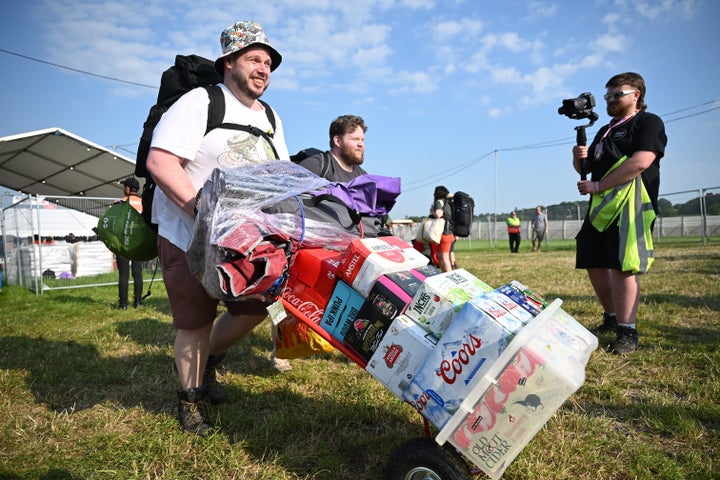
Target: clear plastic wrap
[{"x": 245, "y": 215}]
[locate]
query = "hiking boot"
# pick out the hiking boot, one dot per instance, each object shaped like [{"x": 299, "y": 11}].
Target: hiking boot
[
  {"x": 192, "y": 414},
  {"x": 609, "y": 325},
  {"x": 215, "y": 391},
  {"x": 626, "y": 341}
]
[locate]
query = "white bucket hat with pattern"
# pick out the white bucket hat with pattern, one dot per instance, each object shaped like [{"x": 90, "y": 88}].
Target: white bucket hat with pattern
[{"x": 241, "y": 35}]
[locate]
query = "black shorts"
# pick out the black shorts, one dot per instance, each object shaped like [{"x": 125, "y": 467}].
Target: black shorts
[{"x": 597, "y": 249}]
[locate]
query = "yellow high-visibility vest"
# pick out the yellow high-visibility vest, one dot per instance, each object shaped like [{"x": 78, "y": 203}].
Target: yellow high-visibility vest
[{"x": 629, "y": 204}]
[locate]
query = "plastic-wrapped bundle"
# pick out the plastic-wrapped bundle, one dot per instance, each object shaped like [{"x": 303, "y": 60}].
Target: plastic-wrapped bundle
[{"x": 249, "y": 220}]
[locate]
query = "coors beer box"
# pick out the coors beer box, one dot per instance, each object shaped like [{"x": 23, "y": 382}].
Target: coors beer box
[
  {"x": 441, "y": 296},
  {"x": 469, "y": 347},
  {"x": 366, "y": 259}
]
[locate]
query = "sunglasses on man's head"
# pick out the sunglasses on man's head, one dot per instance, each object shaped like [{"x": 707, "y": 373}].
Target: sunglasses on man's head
[{"x": 617, "y": 95}]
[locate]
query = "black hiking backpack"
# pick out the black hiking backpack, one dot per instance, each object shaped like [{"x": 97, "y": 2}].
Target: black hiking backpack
[
  {"x": 189, "y": 72},
  {"x": 463, "y": 207},
  {"x": 310, "y": 152}
]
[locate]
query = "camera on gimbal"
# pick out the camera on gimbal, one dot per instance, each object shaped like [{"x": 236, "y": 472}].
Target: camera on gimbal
[{"x": 578, "y": 108}]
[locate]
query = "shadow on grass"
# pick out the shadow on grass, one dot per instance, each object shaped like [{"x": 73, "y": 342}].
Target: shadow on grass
[
  {"x": 67, "y": 376},
  {"x": 52, "y": 474}
]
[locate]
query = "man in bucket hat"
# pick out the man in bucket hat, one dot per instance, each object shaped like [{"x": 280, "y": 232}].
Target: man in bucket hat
[{"x": 181, "y": 158}]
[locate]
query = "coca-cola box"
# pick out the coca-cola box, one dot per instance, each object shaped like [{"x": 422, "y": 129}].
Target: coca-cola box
[
  {"x": 313, "y": 276},
  {"x": 441, "y": 296},
  {"x": 342, "y": 310},
  {"x": 469, "y": 347},
  {"x": 366, "y": 259},
  {"x": 400, "y": 354}
]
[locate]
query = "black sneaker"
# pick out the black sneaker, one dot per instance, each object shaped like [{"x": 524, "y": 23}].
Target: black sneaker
[
  {"x": 216, "y": 393},
  {"x": 626, "y": 341},
  {"x": 609, "y": 325},
  {"x": 192, "y": 413}
]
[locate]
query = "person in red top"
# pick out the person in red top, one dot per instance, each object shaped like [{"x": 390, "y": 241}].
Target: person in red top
[{"x": 130, "y": 187}]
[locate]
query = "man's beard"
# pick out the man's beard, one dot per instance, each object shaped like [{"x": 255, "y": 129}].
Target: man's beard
[
  {"x": 243, "y": 85},
  {"x": 351, "y": 157},
  {"x": 616, "y": 110}
]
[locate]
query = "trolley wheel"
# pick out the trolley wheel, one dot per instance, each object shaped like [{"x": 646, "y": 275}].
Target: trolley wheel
[{"x": 424, "y": 459}]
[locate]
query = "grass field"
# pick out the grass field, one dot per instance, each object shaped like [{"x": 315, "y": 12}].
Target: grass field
[{"x": 88, "y": 391}]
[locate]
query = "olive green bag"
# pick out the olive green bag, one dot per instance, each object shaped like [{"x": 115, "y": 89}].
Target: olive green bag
[{"x": 124, "y": 232}]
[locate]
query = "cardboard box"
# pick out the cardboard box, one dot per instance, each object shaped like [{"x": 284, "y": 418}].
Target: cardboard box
[
  {"x": 388, "y": 298},
  {"x": 470, "y": 346},
  {"x": 497, "y": 312},
  {"x": 366, "y": 259},
  {"x": 526, "y": 303},
  {"x": 312, "y": 280},
  {"x": 510, "y": 305},
  {"x": 342, "y": 310},
  {"x": 401, "y": 353},
  {"x": 427, "y": 271},
  {"x": 441, "y": 296}
]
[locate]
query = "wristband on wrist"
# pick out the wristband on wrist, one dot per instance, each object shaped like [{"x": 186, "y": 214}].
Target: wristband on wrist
[{"x": 597, "y": 187}]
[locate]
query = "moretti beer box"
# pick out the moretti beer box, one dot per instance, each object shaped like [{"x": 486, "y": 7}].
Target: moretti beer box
[
  {"x": 388, "y": 298},
  {"x": 468, "y": 348},
  {"x": 538, "y": 371},
  {"x": 342, "y": 310},
  {"x": 312, "y": 280},
  {"x": 366, "y": 259},
  {"x": 441, "y": 296},
  {"x": 400, "y": 354}
]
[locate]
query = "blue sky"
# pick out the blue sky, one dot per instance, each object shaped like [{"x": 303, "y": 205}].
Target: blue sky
[{"x": 456, "y": 93}]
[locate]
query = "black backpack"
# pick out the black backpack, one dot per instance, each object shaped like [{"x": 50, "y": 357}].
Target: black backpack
[
  {"x": 463, "y": 206},
  {"x": 189, "y": 72},
  {"x": 310, "y": 152}
]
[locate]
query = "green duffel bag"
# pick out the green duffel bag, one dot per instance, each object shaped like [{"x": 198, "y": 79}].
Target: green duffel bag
[{"x": 124, "y": 232}]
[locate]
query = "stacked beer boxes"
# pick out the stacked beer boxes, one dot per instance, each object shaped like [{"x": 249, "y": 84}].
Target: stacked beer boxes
[{"x": 485, "y": 366}]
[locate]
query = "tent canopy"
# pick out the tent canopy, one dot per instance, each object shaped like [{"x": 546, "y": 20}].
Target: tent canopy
[{"x": 56, "y": 162}]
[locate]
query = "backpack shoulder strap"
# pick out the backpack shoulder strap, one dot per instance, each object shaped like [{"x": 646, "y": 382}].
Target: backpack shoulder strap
[
  {"x": 216, "y": 115},
  {"x": 216, "y": 107},
  {"x": 325, "y": 164},
  {"x": 269, "y": 112}
]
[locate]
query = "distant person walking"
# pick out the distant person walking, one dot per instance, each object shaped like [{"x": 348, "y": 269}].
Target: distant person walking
[
  {"x": 539, "y": 228},
  {"x": 513, "y": 229}
]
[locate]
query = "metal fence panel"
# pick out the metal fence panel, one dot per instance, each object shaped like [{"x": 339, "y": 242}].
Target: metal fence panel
[{"x": 50, "y": 243}]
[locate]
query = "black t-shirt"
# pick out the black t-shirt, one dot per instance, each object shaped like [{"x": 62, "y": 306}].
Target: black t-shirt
[{"x": 644, "y": 131}]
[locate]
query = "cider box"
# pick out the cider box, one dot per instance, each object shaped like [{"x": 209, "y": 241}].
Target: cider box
[
  {"x": 342, "y": 310},
  {"x": 441, "y": 296}
]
